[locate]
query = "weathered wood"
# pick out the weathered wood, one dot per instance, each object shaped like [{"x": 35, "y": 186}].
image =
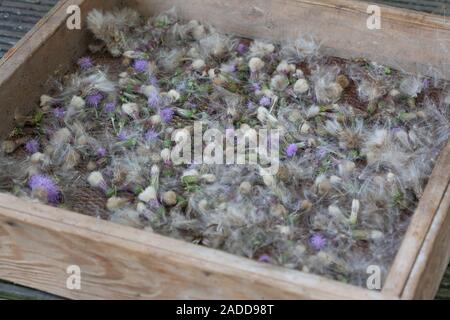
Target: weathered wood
[
  {"x": 419, "y": 227},
  {"x": 38, "y": 243},
  {"x": 408, "y": 40},
  {"x": 433, "y": 257}
]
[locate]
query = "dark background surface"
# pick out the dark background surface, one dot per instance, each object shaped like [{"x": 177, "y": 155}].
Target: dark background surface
[{"x": 18, "y": 16}]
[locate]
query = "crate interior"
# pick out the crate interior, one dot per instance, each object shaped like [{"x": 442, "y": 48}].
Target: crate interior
[{"x": 77, "y": 46}]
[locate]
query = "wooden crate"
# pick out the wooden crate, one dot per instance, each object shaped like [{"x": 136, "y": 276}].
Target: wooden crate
[{"x": 38, "y": 243}]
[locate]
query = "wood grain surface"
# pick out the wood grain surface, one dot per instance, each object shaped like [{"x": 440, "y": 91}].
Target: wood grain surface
[
  {"x": 419, "y": 228},
  {"x": 408, "y": 40},
  {"x": 38, "y": 243}
]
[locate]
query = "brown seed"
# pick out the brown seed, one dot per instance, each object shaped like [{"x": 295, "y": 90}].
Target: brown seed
[
  {"x": 343, "y": 81},
  {"x": 245, "y": 187},
  {"x": 283, "y": 174},
  {"x": 306, "y": 205},
  {"x": 126, "y": 62},
  {"x": 169, "y": 198},
  {"x": 91, "y": 166},
  {"x": 278, "y": 210},
  {"x": 9, "y": 146}
]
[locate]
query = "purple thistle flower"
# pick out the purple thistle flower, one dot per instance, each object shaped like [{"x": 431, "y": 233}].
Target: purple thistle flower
[
  {"x": 250, "y": 105},
  {"x": 85, "y": 63},
  {"x": 318, "y": 241},
  {"x": 256, "y": 86},
  {"x": 154, "y": 204},
  {"x": 152, "y": 80},
  {"x": 291, "y": 150},
  {"x": 167, "y": 114},
  {"x": 264, "y": 258},
  {"x": 41, "y": 183},
  {"x": 154, "y": 99},
  {"x": 242, "y": 48},
  {"x": 150, "y": 135},
  {"x": 140, "y": 65},
  {"x": 273, "y": 57},
  {"x": 229, "y": 68},
  {"x": 109, "y": 107},
  {"x": 94, "y": 99},
  {"x": 396, "y": 130},
  {"x": 321, "y": 153},
  {"x": 265, "y": 101},
  {"x": 190, "y": 105},
  {"x": 59, "y": 112},
  {"x": 32, "y": 146},
  {"x": 109, "y": 172},
  {"x": 101, "y": 152},
  {"x": 123, "y": 135}
]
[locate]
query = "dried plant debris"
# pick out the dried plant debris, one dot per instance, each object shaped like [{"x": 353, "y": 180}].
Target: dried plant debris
[{"x": 358, "y": 142}]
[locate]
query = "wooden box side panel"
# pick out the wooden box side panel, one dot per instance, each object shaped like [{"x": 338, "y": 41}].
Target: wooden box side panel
[
  {"x": 50, "y": 48},
  {"x": 425, "y": 215},
  {"x": 407, "y": 40},
  {"x": 38, "y": 243},
  {"x": 433, "y": 258}
]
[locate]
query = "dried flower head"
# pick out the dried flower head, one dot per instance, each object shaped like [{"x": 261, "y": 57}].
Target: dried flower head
[
  {"x": 291, "y": 150},
  {"x": 113, "y": 28},
  {"x": 32, "y": 146},
  {"x": 242, "y": 48},
  {"x": 150, "y": 135},
  {"x": 96, "y": 180},
  {"x": 279, "y": 82},
  {"x": 264, "y": 258},
  {"x": 261, "y": 49},
  {"x": 109, "y": 107},
  {"x": 101, "y": 152},
  {"x": 140, "y": 65},
  {"x": 167, "y": 114},
  {"x": 265, "y": 101},
  {"x": 411, "y": 86},
  {"x": 44, "y": 187},
  {"x": 124, "y": 135},
  {"x": 256, "y": 64},
  {"x": 59, "y": 112},
  {"x": 94, "y": 99},
  {"x": 318, "y": 241},
  {"x": 85, "y": 63},
  {"x": 154, "y": 99},
  {"x": 301, "y": 86}
]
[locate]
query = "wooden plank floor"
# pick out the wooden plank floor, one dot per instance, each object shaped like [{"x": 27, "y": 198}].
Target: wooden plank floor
[
  {"x": 431, "y": 6},
  {"x": 19, "y": 16},
  {"x": 10, "y": 291}
]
